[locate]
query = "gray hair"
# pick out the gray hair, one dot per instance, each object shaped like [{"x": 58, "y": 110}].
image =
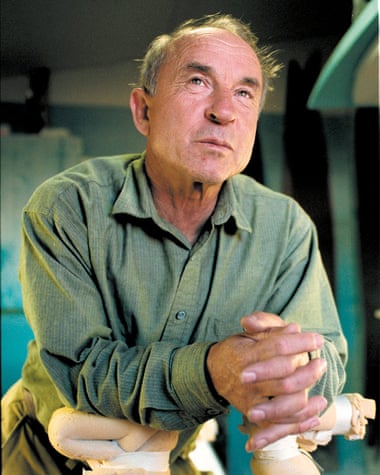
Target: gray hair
[{"x": 159, "y": 49}]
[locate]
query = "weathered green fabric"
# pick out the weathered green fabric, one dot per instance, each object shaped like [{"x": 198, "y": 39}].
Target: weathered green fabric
[{"x": 124, "y": 308}]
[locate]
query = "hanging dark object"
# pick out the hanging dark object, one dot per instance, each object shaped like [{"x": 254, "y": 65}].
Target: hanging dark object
[{"x": 36, "y": 103}]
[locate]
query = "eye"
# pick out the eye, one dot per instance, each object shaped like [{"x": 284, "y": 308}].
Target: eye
[
  {"x": 244, "y": 93},
  {"x": 196, "y": 81}
]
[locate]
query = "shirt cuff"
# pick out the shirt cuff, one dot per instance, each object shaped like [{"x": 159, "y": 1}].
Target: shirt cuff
[{"x": 191, "y": 382}]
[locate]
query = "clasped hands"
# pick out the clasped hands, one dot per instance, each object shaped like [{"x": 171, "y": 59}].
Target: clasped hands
[{"x": 266, "y": 373}]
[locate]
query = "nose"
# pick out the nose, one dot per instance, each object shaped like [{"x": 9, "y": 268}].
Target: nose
[{"x": 221, "y": 108}]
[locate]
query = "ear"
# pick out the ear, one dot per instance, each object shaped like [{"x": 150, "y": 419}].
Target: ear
[{"x": 139, "y": 109}]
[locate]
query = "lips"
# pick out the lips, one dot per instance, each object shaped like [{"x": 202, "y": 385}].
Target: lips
[{"x": 215, "y": 141}]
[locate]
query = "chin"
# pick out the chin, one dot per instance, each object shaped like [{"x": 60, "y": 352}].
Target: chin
[
  {"x": 211, "y": 179},
  {"x": 213, "y": 172}
]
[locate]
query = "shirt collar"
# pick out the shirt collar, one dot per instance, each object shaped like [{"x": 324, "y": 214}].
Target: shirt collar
[
  {"x": 229, "y": 207},
  {"x": 136, "y": 199}
]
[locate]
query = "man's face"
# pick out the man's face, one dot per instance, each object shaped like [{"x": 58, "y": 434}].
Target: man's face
[{"x": 203, "y": 116}]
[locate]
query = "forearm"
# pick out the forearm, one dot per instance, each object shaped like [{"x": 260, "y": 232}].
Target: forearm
[{"x": 169, "y": 391}]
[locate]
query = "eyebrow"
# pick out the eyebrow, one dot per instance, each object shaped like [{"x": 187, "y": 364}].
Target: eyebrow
[{"x": 203, "y": 68}]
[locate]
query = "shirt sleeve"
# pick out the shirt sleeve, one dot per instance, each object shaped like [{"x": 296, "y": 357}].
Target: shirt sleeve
[
  {"x": 92, "y": 368},
  {"x": 303, "y": 294}
]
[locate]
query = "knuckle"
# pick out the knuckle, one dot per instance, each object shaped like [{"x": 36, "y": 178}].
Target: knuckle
[
  {"x": 286, "y": 386},
  {"x": 281, "y": 346}
]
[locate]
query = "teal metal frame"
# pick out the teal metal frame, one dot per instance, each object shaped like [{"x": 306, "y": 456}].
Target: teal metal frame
[{"x": 348, "y": 292}]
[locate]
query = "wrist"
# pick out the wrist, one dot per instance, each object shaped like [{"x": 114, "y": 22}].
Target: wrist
[{"x": 220, "y": 399}]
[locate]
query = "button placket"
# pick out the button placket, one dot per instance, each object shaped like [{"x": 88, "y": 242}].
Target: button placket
[{"x": 185, "y": 307}]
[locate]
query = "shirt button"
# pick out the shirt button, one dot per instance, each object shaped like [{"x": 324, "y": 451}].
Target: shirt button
[{"x": 181, "y": 315}]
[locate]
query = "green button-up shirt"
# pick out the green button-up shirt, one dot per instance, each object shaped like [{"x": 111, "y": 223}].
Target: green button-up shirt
[{"x": 124, "y": 308}]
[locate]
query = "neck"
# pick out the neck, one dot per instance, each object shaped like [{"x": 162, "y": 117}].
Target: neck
[{"x": 186, "y": 206}]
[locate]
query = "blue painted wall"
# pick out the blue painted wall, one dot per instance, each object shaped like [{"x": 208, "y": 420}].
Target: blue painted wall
[{"x": 103, "y": 130}]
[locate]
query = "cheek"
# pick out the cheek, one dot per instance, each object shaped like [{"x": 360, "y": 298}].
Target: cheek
[
  {"x": 160, "y": 120},
  {"x": 169, "y": 117},
  {"x": 169, "y": 134},
  {"x": 244, "y": 151},
  {"x": 249, "y": 134}
]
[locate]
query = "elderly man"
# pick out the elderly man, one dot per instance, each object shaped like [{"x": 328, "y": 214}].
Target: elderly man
[{"x": 140, "y": 271}]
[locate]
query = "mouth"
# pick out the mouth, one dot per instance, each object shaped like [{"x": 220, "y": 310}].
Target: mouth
[{"x": 217, "y": 143}]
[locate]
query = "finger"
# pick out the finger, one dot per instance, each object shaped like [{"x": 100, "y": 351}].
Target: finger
[
  {"x": 277, "y": 367},
  {"x": 303, "y": 378},
  {"x": 289, "y": 344},
  {"x": 314, "y": 407},
  {"x": 287, "y": 409},
  {"x": 270, "y": 331},
  {"x": 272, "y": 433},
  {"x": 259, "y": 321}
]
